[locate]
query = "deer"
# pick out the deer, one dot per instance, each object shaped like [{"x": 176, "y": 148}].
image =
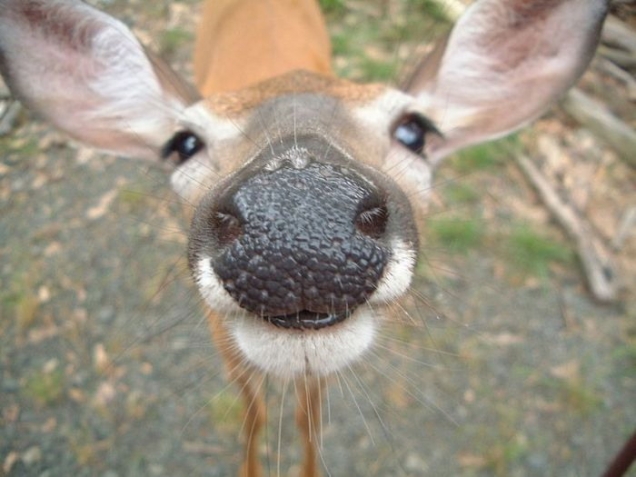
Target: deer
[{"x": 307, "y": 192}]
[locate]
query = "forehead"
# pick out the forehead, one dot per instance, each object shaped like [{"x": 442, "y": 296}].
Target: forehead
[
  {"x": 234, "y": 104},
  {"x": 301, "y": 102}
]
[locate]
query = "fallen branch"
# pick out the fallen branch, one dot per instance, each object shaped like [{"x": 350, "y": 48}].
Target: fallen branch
[
  {"x": 618, "y": 34},
  {"x": 602, "y": 123},
  {"x": 625, "y": 229},
  {"x": 598, "y": 262},
  {"x": 619, "y": 74},
  {"x": 9, "y": 117},
  {"x": 625, "y": 60}
]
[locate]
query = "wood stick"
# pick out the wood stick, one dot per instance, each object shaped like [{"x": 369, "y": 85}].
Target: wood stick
[
  {"x": 598, "y": 262},
  {"x": 612, "y": 69},
  {"x": 605, "y": 125},
  {"x": 9, "y": 117},
  {"x": 619, "y": 34}
]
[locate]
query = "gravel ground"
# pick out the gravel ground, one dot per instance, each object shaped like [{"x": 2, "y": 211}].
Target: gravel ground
[{"x": 106, "y": 368}]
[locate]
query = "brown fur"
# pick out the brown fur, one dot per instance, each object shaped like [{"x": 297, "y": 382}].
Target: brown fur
[
  {"x": 298, "y": 81},
  {"x": 283, "y": 36}
]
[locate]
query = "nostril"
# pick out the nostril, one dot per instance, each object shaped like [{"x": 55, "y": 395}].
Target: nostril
[
  {"x": 372, "y": 217},
  {"x": 300, "y": 248},
  {"x": 226, "y": 227}
]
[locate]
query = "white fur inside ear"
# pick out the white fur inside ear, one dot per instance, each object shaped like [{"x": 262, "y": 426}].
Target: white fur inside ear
[
  {"x": 123, "y": 76},
  {"x": 289, "y": 354},
  {"x": 86, "y": 73}
]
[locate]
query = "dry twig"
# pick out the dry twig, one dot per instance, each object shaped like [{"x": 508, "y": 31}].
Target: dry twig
[
  {"x": 598, "y": 262},
  {"x": 605, "y": 125}
]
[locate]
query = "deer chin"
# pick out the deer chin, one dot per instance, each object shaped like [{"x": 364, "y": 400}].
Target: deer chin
[{"x": 290, "y": 353}]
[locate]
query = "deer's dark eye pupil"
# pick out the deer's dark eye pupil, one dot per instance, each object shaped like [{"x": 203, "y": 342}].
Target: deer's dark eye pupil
[
  {"x": 411, "y": 132},
  {"x": 185, "y": 144}
]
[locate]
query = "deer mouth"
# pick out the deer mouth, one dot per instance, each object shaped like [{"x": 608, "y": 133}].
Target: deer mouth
[{"x": 307, "y": 320}]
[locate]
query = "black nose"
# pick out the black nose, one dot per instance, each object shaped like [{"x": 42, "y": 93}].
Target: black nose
[{"x": 301, "y": 247}]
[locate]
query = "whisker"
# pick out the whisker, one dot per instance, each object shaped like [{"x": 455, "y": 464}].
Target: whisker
[
  {"x": 280, "y": 427},
  {"x": 418, "y": 397},
  {"x": 352, "y": 394}
]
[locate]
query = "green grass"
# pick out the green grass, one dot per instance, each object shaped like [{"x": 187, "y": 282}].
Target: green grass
[
  {"x": 433, "y": 10},
  {"x": 45, "y": 388},
  {"x": 365, "y": 40},
  {"x": 626, "y": 353},
  {"x": 379, "y": 71},
  {"x": 341, "y": 44},
  {"x": 135, "y": 198},
  {"x": 502, "y": 443},
  {"x": 84, "y": 448},
  {"x": 576, "y": 394},
  {"x": 501, "y": 456},
  {"x": 456, "y": 235},
  {"x": 21, "y": 147},
  {"x": 424, "y": 21},
  {"x": 26, "y": 310},
  {"x": 531, "y": 253},
  {"x": 132, "y": 199},
  {"x": 19, "y": 300},
  {"x": 579, "y": 397},
  {"x": 173, "y": 39},
  {"x": 225, "y": 412},
  {"x": 460, "y": 193},
  {"x": 478, "y": 158},
  {"x": 332, "y": 7},
  {"x": 488, "y": 156}
]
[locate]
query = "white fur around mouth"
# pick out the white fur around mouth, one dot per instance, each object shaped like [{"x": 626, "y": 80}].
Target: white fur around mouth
[{"x": 290, "y": 353}]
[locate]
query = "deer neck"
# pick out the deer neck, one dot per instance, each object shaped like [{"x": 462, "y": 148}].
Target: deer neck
[{"x": 244, "y": 42}]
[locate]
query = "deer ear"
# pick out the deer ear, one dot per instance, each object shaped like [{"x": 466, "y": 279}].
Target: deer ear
[
  {"x": 503, "y": 63},
  {"x": 85, "y": 72}
]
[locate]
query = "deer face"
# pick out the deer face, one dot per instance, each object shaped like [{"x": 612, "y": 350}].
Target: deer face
[
  {"x": 305, "y": 190},
  {"x": 304, "y": 232},
  {"x": 303, "y": 226}
]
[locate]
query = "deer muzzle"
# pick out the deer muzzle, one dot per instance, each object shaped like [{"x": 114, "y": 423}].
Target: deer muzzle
[{"x": 298, "y": 241}]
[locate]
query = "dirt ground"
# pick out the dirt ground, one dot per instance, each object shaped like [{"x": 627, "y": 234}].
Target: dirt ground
[{"x": 106, "y": 368}]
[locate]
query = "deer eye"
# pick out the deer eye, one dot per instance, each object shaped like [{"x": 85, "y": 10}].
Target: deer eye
[
  {"x": 411, "y": 132},
  {"x": 185, "y": 144}
]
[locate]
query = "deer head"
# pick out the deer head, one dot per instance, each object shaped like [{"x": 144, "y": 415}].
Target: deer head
[{"x": 306, "y": 189}]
